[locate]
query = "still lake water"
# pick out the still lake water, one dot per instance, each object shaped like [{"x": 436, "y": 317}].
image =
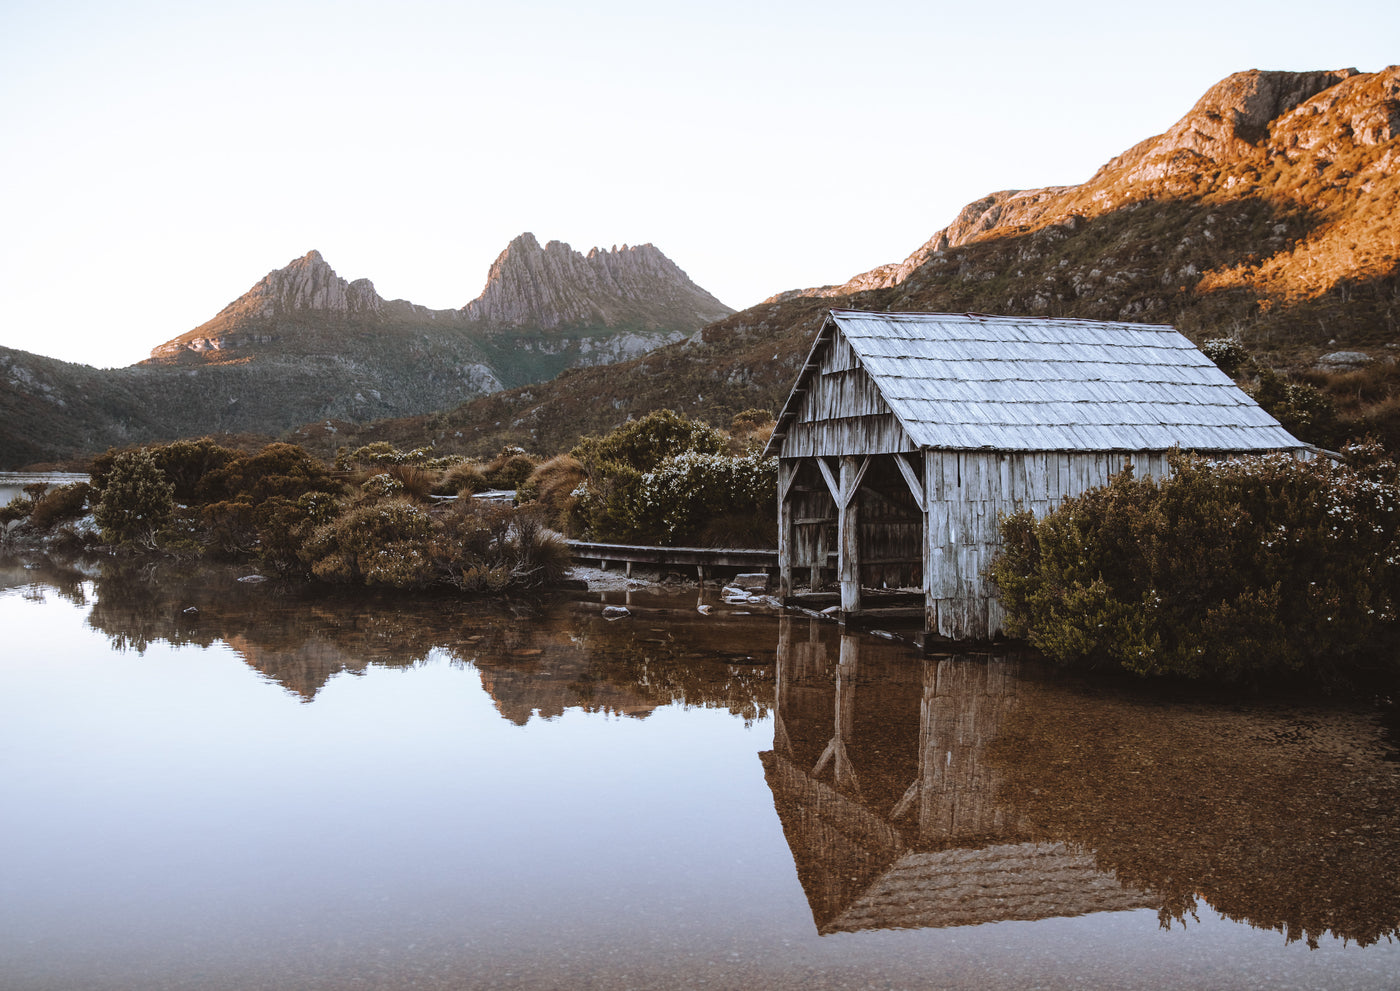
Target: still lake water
[{"x": 211, "y": 784}]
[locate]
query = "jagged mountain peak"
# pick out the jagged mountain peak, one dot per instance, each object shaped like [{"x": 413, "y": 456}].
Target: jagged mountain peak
[{"x": 555, "y": 286}]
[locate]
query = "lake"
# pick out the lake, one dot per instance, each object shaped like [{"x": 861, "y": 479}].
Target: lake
[{"x": 215, "y": 784}]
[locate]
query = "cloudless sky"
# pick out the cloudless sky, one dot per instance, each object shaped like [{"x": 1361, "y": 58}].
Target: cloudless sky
[{"x": 158, "y": 158}]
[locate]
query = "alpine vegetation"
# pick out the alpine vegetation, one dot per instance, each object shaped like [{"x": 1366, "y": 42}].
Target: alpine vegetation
[{"x": 1244, "y": 569}]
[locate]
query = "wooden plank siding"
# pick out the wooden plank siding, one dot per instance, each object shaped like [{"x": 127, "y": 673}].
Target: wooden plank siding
[
  {"x": 843, "y": 412},
  {"x": 969, "y": 493}
]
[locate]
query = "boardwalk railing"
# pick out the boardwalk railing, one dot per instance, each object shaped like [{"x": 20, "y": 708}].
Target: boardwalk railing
[{"x": 703, "y": 559}]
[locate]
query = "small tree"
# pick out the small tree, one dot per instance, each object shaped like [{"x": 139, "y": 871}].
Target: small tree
[{"x": 137, "y": 500}]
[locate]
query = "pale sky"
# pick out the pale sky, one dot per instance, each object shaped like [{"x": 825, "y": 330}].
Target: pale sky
[{"x": 159, "y": 158}]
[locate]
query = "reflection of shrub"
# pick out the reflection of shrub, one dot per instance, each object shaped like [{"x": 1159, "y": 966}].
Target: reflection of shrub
[
  {"x": 67, "y": 502},
  {"x": 16, "y": 509},
  {"x": 1236, "y": 570},
  {"x": 136, "y": 501}
]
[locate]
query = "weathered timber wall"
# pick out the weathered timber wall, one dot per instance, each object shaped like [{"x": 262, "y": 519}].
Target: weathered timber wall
[
  {"x": 969, "y": 492},
  {"x": 843, "y": 412}
]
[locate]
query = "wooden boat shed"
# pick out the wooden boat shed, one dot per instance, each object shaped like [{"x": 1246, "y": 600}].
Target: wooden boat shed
[{"x": 908, "y": 435}]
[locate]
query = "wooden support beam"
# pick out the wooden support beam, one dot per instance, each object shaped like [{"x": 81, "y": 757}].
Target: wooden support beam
[
  {"x": 848, "y": 557},
  {"x": 787, "y": 471},
  {"x": 912, "y": 479},
  {"x": 787, "y": 474},
  {"x": 832, "y": 484}
]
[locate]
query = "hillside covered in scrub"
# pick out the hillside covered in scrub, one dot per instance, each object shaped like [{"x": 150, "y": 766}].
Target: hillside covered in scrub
[{"x": 1265, "y": 215}]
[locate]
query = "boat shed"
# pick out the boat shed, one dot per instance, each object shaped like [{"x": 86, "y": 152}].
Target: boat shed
[{"x": 907, "y": 436}]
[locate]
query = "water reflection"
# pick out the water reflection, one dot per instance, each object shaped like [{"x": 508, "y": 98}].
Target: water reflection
[
  {"x": 956, "y": 790},
  {"x": 526, "y": 788},
  {"x": 537, "y": 656}
]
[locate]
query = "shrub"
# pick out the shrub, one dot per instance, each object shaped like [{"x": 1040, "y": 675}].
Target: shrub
[
  {"x": 1235, "y": 570},
  {"x": 415, "y": 483},
  {"x": 554, "y": 488},
  {"x": 186, "y": 462},
  {"x": 67, "y": 502},
  {"x": 474, "y": 546},
  {"x": 137, "y": 500},
  {"x": 509, "y": 468},
  {"x": 381, "y": 543},
  {"x": 1304, "y": 411},
  {"x": 1229, "y": 355},
  {"x": 693, "y": 498},
  {"x": 664, "y": 479},
  {"x": 278, "y": 469},
  {"x": 466, "y": 478},
  {"x": 382, "y": 454},
  {"x": 643, "y": 444},
  {"x": 382, "y": 486}
]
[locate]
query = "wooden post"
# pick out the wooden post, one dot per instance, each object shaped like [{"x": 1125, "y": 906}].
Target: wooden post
[
  {"x": 848, "y": 510},
  {"x": 931, "y": 491},
  {"x": 787, "y": 471}
]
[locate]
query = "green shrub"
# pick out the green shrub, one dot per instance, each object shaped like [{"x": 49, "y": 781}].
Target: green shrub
[
  {"x": 137, "y": 501},
  {"x": 1229, "y": 355},
  {"x": 695, "y": 498},
  {"x": 643, "y": 444},
  {"x": 278, "y": 469},
  {"x": 1303, "y": 410},
  {"x": 382, "y": 454},
  {"x": 382, "y": 486},
  {"x": 1236, "y": 570},
  {"x": 379, "y": 543},
  {"x": 186, "y": 462},
  {"x": 67, "y": 502},
  {"x": 667, "y": 480}
]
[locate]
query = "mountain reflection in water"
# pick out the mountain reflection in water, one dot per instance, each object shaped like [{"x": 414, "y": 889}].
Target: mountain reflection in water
[
  {"x": 426, "y": 791},
  {"x": 964, "y": 789}
]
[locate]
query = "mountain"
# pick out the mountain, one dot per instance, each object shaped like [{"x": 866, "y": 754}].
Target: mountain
[
  {"x": 543, "y": 309},
  {"x": 1265, "y": 214},
  {"x": 304, "y": 344}
]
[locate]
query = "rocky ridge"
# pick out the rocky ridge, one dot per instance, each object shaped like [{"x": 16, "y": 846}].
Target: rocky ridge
[{"x": 555, "y": 286}]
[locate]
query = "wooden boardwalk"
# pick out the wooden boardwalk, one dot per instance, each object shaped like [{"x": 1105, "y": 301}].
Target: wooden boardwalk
[{"x": 705, "y": 560}]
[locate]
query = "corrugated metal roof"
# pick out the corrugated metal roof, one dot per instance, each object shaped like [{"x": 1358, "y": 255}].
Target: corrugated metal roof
[{"x": 1021, "y": 383}]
